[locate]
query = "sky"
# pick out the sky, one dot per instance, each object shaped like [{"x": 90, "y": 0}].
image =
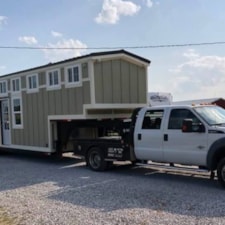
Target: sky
[{"x": 138, "y": 26}]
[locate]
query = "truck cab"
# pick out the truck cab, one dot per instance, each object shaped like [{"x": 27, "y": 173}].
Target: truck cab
[{"x": 189, "y": 135}]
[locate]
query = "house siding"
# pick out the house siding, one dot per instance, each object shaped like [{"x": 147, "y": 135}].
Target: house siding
[
  {"x": 119, "y": 81},
  {"x": 38, "y": 106},
  {"x": 110, "y": 79}
]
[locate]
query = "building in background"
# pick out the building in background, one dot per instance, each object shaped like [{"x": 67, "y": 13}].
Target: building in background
[
  {"x": 159, "y": 98},
  {"x": 217, "y": 101}
]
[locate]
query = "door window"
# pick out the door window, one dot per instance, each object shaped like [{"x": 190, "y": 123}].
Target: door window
[
  {"x": 178, "y": 115},
  {"x": 152, "y": 119}
]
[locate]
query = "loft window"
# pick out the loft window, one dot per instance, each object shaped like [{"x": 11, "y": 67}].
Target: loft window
[
  {"x": 73, "y": 76},
  {"x": 15, "y": 85},
  {"x": 53, "y": 79},
  {"x": 3, "y": 88},
  {"x": 32, "y": 83}
]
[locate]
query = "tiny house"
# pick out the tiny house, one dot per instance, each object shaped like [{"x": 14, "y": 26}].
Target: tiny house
[{"x": 41, "y": 107}]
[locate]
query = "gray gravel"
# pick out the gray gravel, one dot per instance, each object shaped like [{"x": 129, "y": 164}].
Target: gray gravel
[{"x": 39, "y": 190}]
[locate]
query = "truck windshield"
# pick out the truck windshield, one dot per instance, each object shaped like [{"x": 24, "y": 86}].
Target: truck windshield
[{"x": 213, "y": 115}]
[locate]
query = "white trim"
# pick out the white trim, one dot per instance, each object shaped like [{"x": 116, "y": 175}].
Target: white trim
[
  {"x": 27, "y": 148},
  {"x": 92, "y": 80},
  {"x": 113, "y": 106},
  {"x": 74, "y": 83},
  {"x": 4, "y": 94},
  {"x": 14, "y": 125},
  {"x": 123, "y": 56},
  {"x": 10, "y": 123},
  {"x": 31, "y": 89},
  {"x": 54, "y": 86},
  {"x": 66, "y": 117},
  {"x": 11, "y": 88}
]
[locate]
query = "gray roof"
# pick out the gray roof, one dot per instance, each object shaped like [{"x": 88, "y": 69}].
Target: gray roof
[{"x": 105, "y": 53}]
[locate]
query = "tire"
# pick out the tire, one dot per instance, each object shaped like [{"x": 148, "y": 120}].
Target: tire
[
  {"x": 221, "y": 172},
  {"x": 95, "y": 159}
]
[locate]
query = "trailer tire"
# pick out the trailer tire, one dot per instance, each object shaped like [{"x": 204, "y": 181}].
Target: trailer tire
[
  {"x": 221, "y": 172},
  {"x": 95, "y": 159}
]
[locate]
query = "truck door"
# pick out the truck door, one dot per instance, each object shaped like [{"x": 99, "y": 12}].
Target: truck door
[
  {"x": 180, "y": 147},
  {"x": 148, "y": 136}
]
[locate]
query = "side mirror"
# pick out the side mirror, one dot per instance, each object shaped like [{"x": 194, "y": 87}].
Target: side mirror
[{"x": 188, "y": 126}]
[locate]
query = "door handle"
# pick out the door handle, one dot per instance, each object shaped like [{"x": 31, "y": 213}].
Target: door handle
[
  {"x": 165, "y": 137},
  {"x": 139, "y": 136}
]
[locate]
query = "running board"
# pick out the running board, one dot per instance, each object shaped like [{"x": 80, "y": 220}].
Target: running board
[{"x": 175, "y": 167}]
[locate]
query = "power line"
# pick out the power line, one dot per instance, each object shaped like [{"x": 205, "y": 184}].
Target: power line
[{"x": 116, "y": 47}]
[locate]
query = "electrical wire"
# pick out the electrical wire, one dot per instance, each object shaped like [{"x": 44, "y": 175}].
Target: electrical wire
[{"x": 118, "y": 47}]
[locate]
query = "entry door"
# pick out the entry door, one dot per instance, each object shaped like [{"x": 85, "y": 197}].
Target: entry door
[{"x": 6, "y": 137}]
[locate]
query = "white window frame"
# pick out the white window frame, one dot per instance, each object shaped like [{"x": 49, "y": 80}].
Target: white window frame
[
  {"x": 32, "y": 89},
  {"x": 5, "y": 82},
  {"x": 51, "y": 73},
  {"x": 73, "y": 83},
  {"x": 19, "y": 85},
  {"x": 17, "y": 126}
]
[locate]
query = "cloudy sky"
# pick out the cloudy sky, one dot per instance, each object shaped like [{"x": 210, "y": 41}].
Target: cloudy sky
[{"x": 187, "y": 72}]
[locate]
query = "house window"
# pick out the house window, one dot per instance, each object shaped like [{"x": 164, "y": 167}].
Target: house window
[
  {"x": 15, "y": 83},
  {"x": 73, "y": 76},
  {"x": 17, "y": 112},
  {"x": 3, "y": 88},
  {"x": 32, "y": 83},
  {"x": 53, "y": 79}
]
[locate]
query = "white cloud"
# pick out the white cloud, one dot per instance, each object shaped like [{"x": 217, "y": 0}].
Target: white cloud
[
  {"x": 56, "y": 34},
  {"x": 113, "y": 9},
  {"x": 190, "y": 54},
  {"x": 3, "y": 20},
  {"x": 200, "y": 76},
  {"x": 72, "y": 48},
  {"x": 149, "y": 3},
  {"x": 28, "y": 40}
]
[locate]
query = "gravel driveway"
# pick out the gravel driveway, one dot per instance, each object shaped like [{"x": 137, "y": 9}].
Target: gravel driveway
[{"x": 39, "y": 190}]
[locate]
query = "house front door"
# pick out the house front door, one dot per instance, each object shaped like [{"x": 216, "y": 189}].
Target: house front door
[{"x": 6, "y": 137}]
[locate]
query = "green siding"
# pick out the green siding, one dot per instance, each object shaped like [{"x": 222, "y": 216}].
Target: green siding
[
  {"x": 38, "y": 106},
  {"x": 42, "y": 78},
  {"x": 23, "y": 82},
  {"x": 116, "y": 81},
  {"x": 85, "y": 70},
  {"x": 119, "y": 81}
]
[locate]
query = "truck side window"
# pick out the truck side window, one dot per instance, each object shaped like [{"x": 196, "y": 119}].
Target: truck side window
[
  {"x": 178, "y": 115},
  {"x": 152, "y": 119}
]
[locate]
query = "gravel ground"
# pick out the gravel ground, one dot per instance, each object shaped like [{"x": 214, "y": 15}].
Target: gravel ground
[{"x": 39, "y": 190}]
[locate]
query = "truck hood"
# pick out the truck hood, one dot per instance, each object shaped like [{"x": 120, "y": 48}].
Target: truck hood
[{"x": 217, "y": 129}]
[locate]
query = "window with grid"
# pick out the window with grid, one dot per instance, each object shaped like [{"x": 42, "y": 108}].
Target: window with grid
[
  {"x": 15, "y": 85},
  {"x": 73, "y": 75},
  {"x": 3, "y": 88},
  {"x": 17, "y": 112},
  {"x": 53, "y": 79},
  {"x": 32, "y": 83}
]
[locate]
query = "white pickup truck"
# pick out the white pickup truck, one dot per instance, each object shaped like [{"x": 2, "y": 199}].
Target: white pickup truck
[{"x": 186, "y": 135}]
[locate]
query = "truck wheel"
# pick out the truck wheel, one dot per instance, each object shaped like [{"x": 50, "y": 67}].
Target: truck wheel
[
  {"x": 95, "y": 159},
  {"x": 221, "y": 172}
]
